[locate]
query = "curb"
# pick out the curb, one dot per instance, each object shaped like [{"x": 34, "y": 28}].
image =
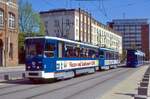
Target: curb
[{"x": 144, "y": 86}]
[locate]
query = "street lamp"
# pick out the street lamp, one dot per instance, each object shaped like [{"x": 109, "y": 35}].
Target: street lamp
[{"x": 5, "y": 38}]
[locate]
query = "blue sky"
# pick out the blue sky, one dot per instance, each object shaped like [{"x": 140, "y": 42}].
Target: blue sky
[{"x": 102, "y": 10}]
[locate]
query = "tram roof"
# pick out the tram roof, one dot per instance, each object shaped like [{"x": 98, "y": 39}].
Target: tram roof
[
  {"x": 139, "y": 53},
  {"x": 62, "y": 39},
  {"x": 107, "y": 49}
]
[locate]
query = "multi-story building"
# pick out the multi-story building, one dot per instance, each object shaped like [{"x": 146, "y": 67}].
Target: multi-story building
[
  {"x": 77, "y": 24},
  {"x": 8, "y": 32},
  {"x": 135, "y": 33},
  {"x": 106, "y": 37}
]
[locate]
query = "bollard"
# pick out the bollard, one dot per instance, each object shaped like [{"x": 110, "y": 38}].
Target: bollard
[
  {"x": 140, "y": 97},
  {"x": 145, "y": 79},
  {"x": 144, "y": 84},
  {"x": 142, "y": 91},
  {"x": 146, "y": 76},
  {"x": 6, "y": 77}
]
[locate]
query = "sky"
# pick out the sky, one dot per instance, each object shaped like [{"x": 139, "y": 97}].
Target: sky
[{"x": 102, "y": 10}]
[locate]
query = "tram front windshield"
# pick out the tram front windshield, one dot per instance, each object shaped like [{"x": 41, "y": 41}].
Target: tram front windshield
[{"x": 34, "y": 47}]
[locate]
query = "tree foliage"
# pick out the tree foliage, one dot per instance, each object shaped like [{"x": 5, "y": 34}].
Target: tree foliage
[
  {"x": 30, "y": 24},
  {"x": 29, "y": 20}
]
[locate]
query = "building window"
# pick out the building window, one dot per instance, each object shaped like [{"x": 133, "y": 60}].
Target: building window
[
  {"x": 67, "y": 22},
  {"x": 1, "y": 18},
  {"x": 46, "y": 27},
  {"x": 12, "y": 1},
  {"x": 11, "y": 20},
  {"x": 11, "y": 51},
  {"x": 77, "y": 22},
  {"x": 56, "y": 23}
]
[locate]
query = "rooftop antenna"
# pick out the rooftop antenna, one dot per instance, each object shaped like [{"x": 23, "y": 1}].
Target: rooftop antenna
[
  {"x": 79, "y": 5},
  {"x": 67, "y": 3},
  {"x": 124, "y": 15}
]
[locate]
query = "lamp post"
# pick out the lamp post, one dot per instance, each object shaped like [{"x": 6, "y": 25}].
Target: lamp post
[{"x": 5, "y": 37}]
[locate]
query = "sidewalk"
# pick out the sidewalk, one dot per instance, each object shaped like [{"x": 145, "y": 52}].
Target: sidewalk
[
  {"x": 13, "y": 68},
  {"x": 127, "y": 88}
]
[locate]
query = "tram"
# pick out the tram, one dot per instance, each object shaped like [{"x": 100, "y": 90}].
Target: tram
[
  {"x": 109, "y": 58},
  {"x": 53, "y": 57},
  {"x": 135, "y": 58}
]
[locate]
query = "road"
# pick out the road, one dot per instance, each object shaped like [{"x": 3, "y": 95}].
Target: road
[{"x": 91, "y": 86}]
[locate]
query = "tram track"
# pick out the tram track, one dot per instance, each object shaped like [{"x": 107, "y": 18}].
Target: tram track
[
  {"x": 49, "y": 91},
  {"x": 101, "y": 82}
]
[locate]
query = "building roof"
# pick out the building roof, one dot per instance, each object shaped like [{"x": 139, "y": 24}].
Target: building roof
[
  {"x": 93, "y": 19},
  {"x": 131, "y": 21},
  {"x": 56, "y": 10}
]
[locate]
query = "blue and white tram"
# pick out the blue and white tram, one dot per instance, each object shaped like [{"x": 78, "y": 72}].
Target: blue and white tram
[
  {"x": 135, "y": 58},
  {"x": 52, "y": 57},
  {"x": 108, "y": 58}
]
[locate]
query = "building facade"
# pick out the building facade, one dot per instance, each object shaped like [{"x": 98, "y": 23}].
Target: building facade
[
  {"x": 8, "y": 33},
  {"x": 79, "y": 25},
  {"x": 104, "y": 36},
  {"x": 135, "y": 33}
]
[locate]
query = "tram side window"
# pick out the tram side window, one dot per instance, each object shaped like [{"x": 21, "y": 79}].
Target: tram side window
[
  {"x": 112, "y": 56},
  {"x": 107, "y": 55},
  {"x": 49, "y": 50},
  {"x": 84, "y": 53},
  {"x": 93, "y": 53},
  {"x": 77, "y": 52},
  {"x": 69, "y": 51},
  {"x": 96, "y": 53}
]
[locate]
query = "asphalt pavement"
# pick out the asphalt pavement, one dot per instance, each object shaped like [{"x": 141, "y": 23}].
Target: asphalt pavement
[
  {"x": 126, "y": 89},
  {"x": 92, "y": 86}
]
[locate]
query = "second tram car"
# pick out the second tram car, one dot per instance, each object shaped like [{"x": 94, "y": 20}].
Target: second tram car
[
  {"x": 52, "y": 57},
  {"x": 108, "y": 58},
  {"x": 135, "y": 58}
]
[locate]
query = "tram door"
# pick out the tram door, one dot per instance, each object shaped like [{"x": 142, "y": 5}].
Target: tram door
[{"x": 1, "y": 53}]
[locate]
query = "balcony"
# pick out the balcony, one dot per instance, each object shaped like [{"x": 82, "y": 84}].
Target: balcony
[
  {"x": 12, "y": 4},
  {"x": 9, "y": 3}
]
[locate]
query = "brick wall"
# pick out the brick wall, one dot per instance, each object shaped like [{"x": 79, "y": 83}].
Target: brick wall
[
  {"x": 145, "y": 39},
  {"x": 8, "y": 35}
]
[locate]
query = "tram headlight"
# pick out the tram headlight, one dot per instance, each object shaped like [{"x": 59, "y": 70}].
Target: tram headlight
[
  {"x": 28, "y": 67},
  {"x": 37, "y": 67}
]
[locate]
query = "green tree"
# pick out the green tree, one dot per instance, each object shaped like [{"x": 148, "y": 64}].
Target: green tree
[
  {"x": 29, "y": 20},
  {"x": 30, "y": 24}
]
